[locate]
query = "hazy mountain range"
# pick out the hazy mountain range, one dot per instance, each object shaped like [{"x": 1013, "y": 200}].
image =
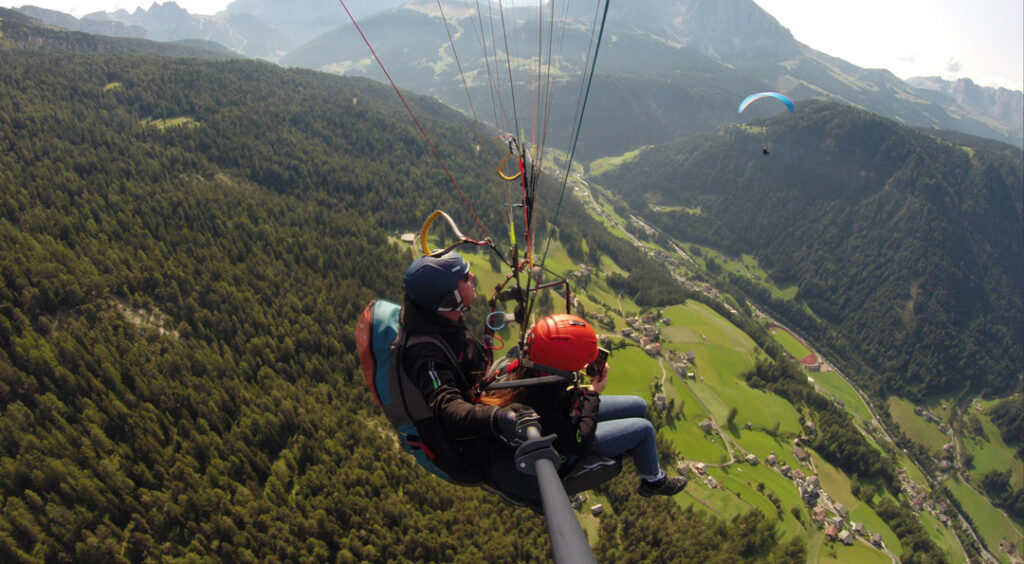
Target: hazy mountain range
[{"x": 685, "y": 62}]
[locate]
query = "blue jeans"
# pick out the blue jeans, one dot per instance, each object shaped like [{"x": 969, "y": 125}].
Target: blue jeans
[{"x": 622, "y": 427}]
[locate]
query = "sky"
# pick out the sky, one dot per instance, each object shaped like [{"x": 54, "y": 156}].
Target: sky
[{"x": 978, "y": 39}]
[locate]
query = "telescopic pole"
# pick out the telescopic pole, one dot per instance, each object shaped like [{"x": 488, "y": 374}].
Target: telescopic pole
[{"x": 537, "y": 457}]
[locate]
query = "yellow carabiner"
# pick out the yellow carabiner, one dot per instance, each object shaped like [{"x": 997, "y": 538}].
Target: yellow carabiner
[{"x": 502, "y": 164}]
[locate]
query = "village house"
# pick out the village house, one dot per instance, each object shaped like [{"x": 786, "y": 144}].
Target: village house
[
  {"x": 800, "y": 453},
  {"x": 809, "y": 427},
  {"x": 858, "y": 528},
  {"x": 772, "y": 460},
  {"x": 846, "y": 538},
  {"x": 653, "y": 349},
  {"x": 786, "y": 471},
  {"x": 812, "y": 481},
  {"x": 751, "y": 459},
  {"x": 840, "y": 509},
  {"x": 798, "y": 474},
  {"x": 699, "y": 467},
  {"x": 596, "y": 510},
  {"x": 831, "y": 532},
  {"x": 707, "y": 426},
  {"x": 711, "y": 482},
  {"x": 809, "y": 495},
  {"x": 660, "y": 402},
  {"x": 627, "y": 332},
  {"x": 683, "y": 469},
  {"x": 876, "y": 539},
  {"x": 819, "y": 516}
]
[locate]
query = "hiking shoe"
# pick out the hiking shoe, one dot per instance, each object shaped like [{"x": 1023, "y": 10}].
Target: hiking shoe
[{"x": 664, "y": 486}]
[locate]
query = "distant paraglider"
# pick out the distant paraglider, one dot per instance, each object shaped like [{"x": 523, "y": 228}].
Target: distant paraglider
[{"x": 753, "y": 97}]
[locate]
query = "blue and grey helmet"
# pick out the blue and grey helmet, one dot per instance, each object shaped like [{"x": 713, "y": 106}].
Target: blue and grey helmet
[{"x": 433, "y": 282}]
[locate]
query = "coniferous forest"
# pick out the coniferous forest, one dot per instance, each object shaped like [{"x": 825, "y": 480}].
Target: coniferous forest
[{"x": 185, "y": 247}]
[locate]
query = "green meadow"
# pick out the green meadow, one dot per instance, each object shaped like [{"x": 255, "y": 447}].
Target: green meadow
[
  {"x": 944, "y": 537},
  {"x": 600, "y": 166},
  {"x": 842, "y": 390},
  {"x": 857, "y": 552},
  {"x": 991, "y": 454},
  {"x": 837, "y": 484},
  {"x": 789, "y": 342},
  {"x": 992, "y": 525},
  {"x": 915, "y": 426}
]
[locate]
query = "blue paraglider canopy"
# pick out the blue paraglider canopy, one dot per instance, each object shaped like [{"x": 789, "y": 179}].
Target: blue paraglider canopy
[{"x": 749, "y": 99}]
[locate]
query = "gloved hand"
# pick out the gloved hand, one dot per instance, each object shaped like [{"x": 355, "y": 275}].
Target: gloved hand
[{"x": 512, "y": 422}]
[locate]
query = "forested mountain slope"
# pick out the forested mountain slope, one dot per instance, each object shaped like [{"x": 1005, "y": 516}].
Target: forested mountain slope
[
  {"x": 185, "y": 247},
  {"x": 24, "y": 31},
  {"x": 905, "y": 245}
]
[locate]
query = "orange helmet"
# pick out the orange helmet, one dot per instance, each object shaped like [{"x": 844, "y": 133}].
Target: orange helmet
[{"x": 563, "y": 341}]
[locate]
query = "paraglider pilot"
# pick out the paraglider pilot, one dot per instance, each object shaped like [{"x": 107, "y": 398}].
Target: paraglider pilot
[{"x": 438, "y": 292}]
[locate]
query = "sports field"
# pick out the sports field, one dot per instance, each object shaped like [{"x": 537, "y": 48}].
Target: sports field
[{"x": 790, "y": 343}]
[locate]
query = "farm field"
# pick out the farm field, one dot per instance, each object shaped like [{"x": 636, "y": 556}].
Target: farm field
[
  {"x": 841, "y": 389},
  {"x": 992, "y": 454},
  {"x": 631, "y": 371},
  {"x": 915, "y": 426},
  {"x": 990, "y": 523},
  {"x": 858, "y": 552},
  {"x": 944, "y": 537}
]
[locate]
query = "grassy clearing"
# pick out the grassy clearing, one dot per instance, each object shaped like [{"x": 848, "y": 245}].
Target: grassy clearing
[
  {"x": 992, "y": 454},
  {"x": 915, "y": 426},
  {"x": 789, "y": 342},
  {"x": 872, "y": 522},
  {"x": 163, "y": 124},
  {"x": 837, "y": 484},
  {"x": 857, "y": 552},
  {"x": 690, "y": 440},
  {"x": 913, "y": 472},
  {"x": 601, "y": 166},
  {"x": 842, "y": 390},
  {"x": 990, "y": 523},
  {"x": 944, "y": 538},
  {"x": 745, "y": 480},
  {"x": 722, "y": 503},
  {"x": 631, "y": 371}
]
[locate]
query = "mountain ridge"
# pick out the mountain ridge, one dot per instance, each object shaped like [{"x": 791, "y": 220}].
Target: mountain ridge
[{"x": 735, "y": 33}]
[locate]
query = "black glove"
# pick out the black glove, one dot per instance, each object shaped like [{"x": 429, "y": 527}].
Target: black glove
[{"x": 512, "y": 422}]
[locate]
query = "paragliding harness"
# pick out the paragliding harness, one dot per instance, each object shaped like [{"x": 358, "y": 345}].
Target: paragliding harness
[
  {"x": 381, "y": 342},
  {"x": 577, "y": 473}
]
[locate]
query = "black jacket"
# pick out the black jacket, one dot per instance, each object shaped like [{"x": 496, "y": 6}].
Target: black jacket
[
  {"x": 457, "y": 422},
  {"x": 569, "y": 413}
]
